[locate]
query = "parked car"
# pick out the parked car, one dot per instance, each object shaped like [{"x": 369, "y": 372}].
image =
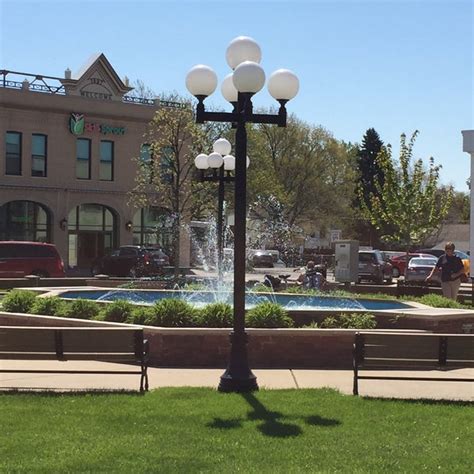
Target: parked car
[
  {"x": 462, "y": 255},
  {"x": 435, "y": 252},
  {"x": 420, "y": 267},
  {"x": 372, "y": 266},
  {"x": 465, "y": 261},
  {"x": 262, "y": 258},
  {"x": 18, "y": 259},
  {"x": 133, "y": 261},
  {"x": 399, "y": 262}
]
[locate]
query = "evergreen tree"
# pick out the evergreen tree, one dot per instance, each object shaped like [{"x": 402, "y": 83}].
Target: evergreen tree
[{"x": 369, "y": 170}]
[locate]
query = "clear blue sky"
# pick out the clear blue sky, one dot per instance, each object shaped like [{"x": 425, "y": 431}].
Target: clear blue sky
[{"x": 393, "y": 65}]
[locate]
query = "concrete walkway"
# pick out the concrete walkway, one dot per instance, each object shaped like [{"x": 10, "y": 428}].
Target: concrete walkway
[{"x": 267, "y": 378}]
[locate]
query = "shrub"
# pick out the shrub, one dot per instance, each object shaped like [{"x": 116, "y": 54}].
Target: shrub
[
  {"x": 49, "y": 306},
  {"x": 311, "y": 325},
  {"x": 330, "y": 322},
  {"x": 18, "y": 301},
  {"x": 118, "y": 312},
  {"x": 216, "y": 315},
  {"x": 81, "y": 309},
  {"x": 173, "y": 313},
  {"x": 141, "y": 315},
  {"x": 261, "y": 288},
  {"x": 350, "y": 321},
  {"x": 438, "y": 301},
  {"x": 268, "y": 315},
  {"x": 195, "y": 286}
]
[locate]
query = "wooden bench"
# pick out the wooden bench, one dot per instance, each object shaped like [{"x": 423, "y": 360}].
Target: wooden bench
[
  {"x": 410, "y": 351},
  {"x": 123, "y": 345}
]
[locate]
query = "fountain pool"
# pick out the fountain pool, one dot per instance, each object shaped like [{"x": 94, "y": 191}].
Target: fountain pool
[{"x": 201, "y": 298}]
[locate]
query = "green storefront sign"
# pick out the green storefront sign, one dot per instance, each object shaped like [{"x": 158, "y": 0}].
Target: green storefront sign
[{"x": 78, "y": 126}]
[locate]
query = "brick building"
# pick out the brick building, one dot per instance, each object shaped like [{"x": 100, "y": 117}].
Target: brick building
[{"x": 66, "y": 163}]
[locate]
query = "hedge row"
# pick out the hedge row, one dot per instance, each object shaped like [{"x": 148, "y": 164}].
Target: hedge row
[{"x": 169, "y": 313}]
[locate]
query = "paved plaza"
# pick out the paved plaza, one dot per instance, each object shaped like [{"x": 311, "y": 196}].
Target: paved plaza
[{"x": 267, "y": 378}]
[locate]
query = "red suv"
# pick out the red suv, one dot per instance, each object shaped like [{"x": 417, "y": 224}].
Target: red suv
[{"x": 18, "y": 259}]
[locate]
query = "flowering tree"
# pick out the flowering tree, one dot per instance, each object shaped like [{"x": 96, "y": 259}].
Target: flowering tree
[{"x": 408, "y": 201}]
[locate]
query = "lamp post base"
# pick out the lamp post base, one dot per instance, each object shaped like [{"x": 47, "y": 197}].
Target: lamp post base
[{"x": 238, "y": 377}]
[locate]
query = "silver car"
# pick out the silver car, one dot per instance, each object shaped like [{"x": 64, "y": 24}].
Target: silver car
[{"x": 420, "y": 267}]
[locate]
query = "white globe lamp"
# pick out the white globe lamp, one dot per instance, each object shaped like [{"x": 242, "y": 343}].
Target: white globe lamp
[
  {"x": 201, "y": 162},
  {"x": 229, "y": 163},
  {"x": 215, "y": 160},
  {"x": 222, "y": 146},
  {"x": 201, "y": 80},
  {"x": 283, "y": 84},
  {"x": 229, "y": 92},
  {"x": 243, "y": 48},
  {"x": 249, "y": 77}
]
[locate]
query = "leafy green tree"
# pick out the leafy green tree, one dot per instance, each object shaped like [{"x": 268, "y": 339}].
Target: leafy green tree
[
  {"x": 165, "y": 173},
  {"x": 305, "y": 168},
  {"x": 408, "y": 199}
]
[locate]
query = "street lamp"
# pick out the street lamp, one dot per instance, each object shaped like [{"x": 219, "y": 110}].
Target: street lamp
[
  {"x": 218, "y": 167},
  {"x": 243, "y": 55}
]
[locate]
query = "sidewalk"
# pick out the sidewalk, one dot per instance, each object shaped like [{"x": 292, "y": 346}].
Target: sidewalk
[{"x": 267, "y": 379}]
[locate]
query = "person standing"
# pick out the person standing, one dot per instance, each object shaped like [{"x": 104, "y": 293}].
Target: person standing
[{"x": 451, "y": 268}]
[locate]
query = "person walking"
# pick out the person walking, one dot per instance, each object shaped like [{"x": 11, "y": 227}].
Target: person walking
[{"x": 451, "y": 268}]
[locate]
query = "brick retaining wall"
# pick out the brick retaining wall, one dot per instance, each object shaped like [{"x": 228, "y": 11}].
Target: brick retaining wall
[{"x": 270, "y": 348}]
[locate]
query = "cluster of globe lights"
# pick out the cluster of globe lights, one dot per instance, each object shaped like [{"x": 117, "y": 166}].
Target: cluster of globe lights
[
  {"x": 219, "y": 156},
  {"x": 243, "y": 55}
]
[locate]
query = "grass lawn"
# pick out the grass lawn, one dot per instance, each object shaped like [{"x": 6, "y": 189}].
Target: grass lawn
[{"x": 197, "y": 429}]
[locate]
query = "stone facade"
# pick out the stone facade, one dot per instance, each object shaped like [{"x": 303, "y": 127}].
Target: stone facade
[{"x": 96, "y": 94}]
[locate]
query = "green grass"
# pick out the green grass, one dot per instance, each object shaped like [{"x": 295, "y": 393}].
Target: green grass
[{"x": 201, "y": 430}]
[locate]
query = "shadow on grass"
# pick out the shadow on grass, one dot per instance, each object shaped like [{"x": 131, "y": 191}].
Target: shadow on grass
[{"x": 273, "y": 422}]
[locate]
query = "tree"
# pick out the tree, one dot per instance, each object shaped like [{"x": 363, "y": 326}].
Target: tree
[
  {"x": 408, "y": 198},
  {"x": 369, "y": 169},
  {"x": 305, "y": 168},
  {"x": 368, "y": 172},
  {"x": 165, "y": 170},
  {"x": 141, "y": 90}
]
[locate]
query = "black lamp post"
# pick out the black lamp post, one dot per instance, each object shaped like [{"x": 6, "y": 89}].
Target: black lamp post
[
  {"x": 218, "y": 167},
  {"x": 243, "y": 55}
]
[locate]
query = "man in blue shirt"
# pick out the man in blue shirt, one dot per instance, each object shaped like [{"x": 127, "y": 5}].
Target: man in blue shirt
[{"x": 451, "y": 268}]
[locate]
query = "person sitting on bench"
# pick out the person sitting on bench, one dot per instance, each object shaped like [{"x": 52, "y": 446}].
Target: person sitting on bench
[{"x": 312, "y": 278}]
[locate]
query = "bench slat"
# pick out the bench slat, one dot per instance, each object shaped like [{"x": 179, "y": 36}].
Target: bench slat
[
  {"x": 428, "y": 349},
  {"x": 19, "y": 339},
  {"x": 385, "y": 351},
  {"x": 461, "y": 348},
  {"x": 97, "y": 341}
]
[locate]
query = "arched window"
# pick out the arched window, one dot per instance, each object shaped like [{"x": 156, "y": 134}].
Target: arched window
[{"x": 25, "y": 220}]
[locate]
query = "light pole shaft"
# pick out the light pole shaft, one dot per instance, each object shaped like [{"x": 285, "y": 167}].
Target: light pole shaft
[
  {"x": 240, "y": 226},
  {"x": 220, "y": 225}
]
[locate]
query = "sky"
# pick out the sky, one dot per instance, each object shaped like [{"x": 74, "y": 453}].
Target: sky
[{"x": 394, "y": 65}]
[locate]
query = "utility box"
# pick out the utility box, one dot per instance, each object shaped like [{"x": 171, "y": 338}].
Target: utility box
[{"x": 347, "y": 261}]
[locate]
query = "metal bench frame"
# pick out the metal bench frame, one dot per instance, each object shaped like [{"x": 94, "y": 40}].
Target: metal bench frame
[
  {"x": 61, "y": 350},
  {"x": 448, "y": 351}
]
